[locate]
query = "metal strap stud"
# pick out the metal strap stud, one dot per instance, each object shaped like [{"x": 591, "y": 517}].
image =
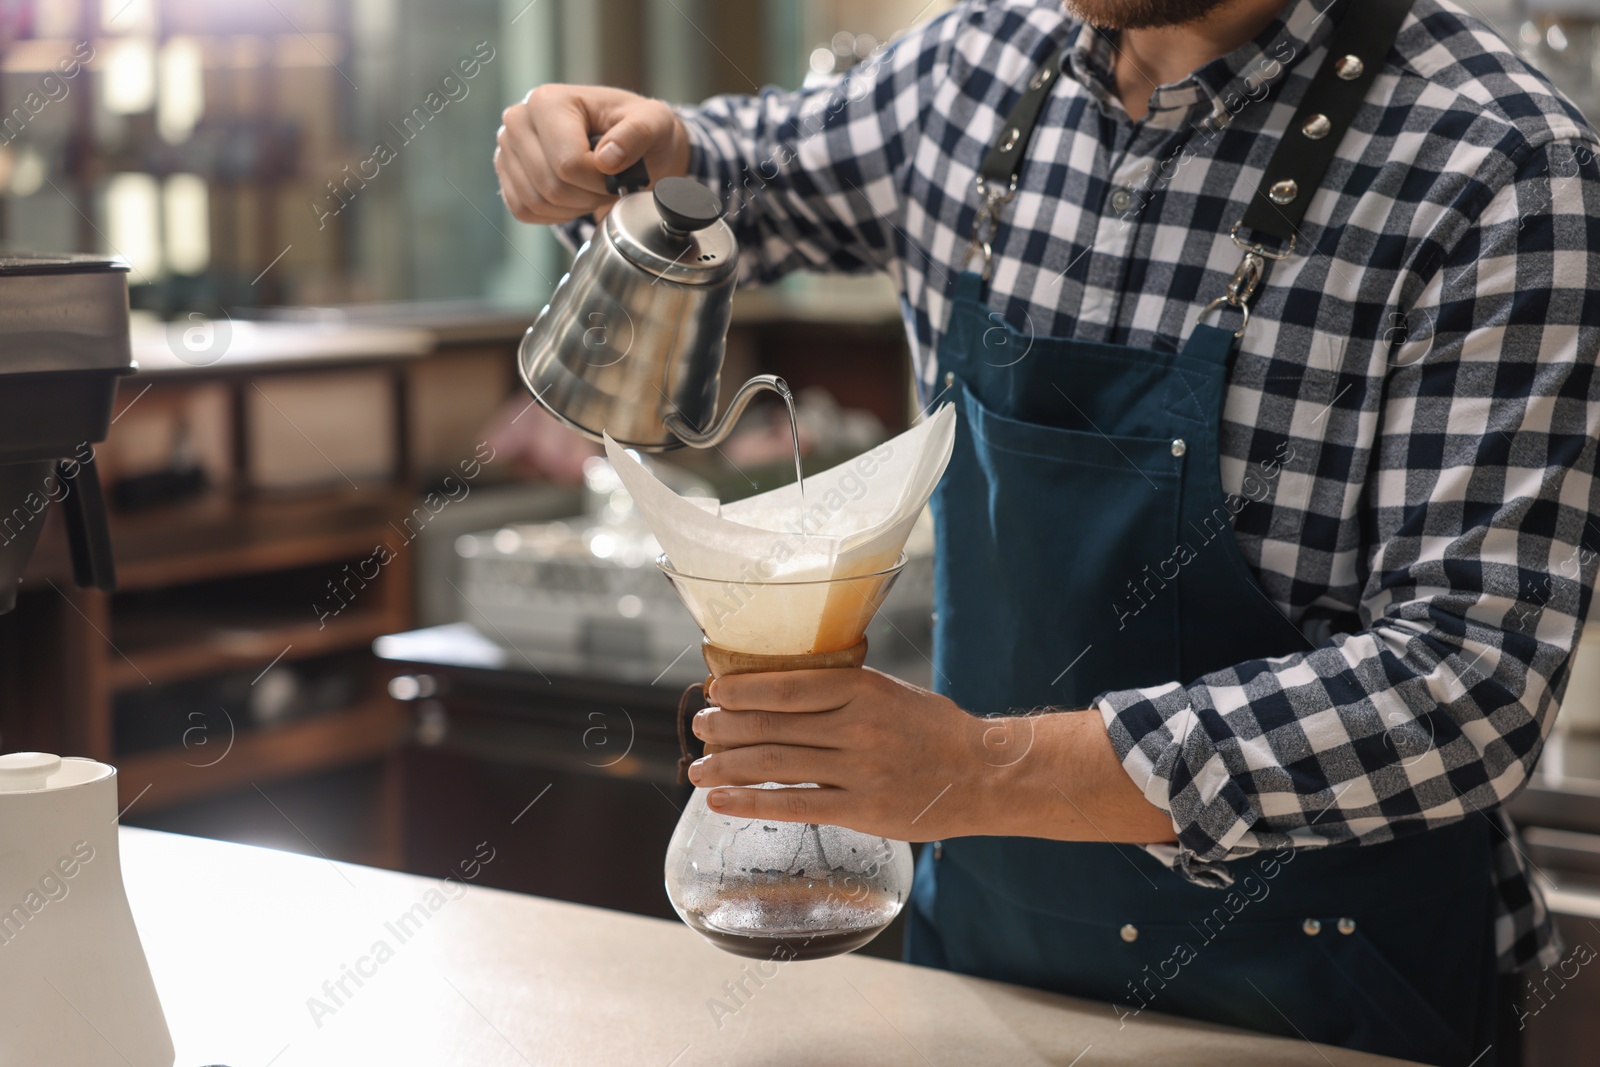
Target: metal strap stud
[
  {"x": 1349, "y": 67},
  {"x": 1316, "y": 127},
  {"x": 1284, "y": 192}
]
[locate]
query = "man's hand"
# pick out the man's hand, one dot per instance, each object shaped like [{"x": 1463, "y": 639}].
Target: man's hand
[
  {"x": 892, "y": 759},
  {"x": 548, "y": 173},
  {"x": 904, "y": 763}
]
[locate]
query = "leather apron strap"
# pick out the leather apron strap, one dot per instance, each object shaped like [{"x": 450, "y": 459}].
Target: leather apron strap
[
  {"x": 1360, "y": 41},
  {"x": 1356, "y": 51}
]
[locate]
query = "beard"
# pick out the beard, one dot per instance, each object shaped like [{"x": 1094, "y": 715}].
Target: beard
[{"x": 1141, "y": 14}]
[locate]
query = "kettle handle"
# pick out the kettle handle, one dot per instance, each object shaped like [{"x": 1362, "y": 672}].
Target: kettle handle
[{"x": 632, "y": 180}]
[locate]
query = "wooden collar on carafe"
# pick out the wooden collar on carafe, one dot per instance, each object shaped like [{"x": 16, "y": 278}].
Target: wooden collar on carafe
[{"x": 722, "y": 662}]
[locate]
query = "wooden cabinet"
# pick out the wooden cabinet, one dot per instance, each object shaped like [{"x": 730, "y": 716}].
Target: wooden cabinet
[
  {"x": 229, "y": 677},
  {"x": 161, "y": 677}
]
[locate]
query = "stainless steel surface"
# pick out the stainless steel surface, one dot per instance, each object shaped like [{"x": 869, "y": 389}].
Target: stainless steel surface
[
  {"x": 438, "y": 567},
  {"x": 63, "y": 346},
  {"x": 705, "y": 257},
  {"x": 632, "y": 341},
  {"x": 61, "y": 320},
  {"x": 577, "y": 601}
]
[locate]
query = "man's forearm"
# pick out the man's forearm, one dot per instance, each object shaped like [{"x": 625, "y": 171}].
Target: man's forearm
[
  {"x": 896, "y": 760},
  {"x": 1064, "y": 782}
]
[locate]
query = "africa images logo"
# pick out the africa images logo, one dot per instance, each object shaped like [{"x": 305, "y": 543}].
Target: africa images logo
[{"x": 200, "y": 339}]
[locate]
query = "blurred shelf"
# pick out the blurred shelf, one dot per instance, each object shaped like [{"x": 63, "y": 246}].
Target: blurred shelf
[
  {"x": 257, "y": 347},
  {"x": 219, "y": 535},
  {"x": 156, "y": 648},
  {"x": 446, "y": 322},
  {"x": 373, "y": 729}
]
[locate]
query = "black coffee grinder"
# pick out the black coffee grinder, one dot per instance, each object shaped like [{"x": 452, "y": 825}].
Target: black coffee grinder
[{"x": 63, "y": 345}]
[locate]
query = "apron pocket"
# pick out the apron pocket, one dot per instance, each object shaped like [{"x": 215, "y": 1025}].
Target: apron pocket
[
  {"x": 1147, "y": 458},
  {"x": 1051, "y": 543}
]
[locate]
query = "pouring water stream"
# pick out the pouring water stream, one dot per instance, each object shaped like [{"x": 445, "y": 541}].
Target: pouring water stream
[{"x": 794, "y": 433}]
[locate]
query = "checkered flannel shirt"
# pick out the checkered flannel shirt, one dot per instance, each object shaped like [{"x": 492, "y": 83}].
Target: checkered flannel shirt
[{"x": 1410, "y": 424}]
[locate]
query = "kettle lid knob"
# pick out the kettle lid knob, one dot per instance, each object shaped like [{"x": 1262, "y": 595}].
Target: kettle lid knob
[
  {"x": 687, "y": 206},
  {"x": 21, "y": 771}
]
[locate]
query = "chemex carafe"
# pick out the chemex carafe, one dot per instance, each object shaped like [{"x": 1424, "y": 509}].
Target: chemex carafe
[
  {"x": 758, "y": 887},
  {"x": 632, "y": 341}
]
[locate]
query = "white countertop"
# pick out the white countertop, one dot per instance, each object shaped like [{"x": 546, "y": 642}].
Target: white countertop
[{"x": 241, "y": 939}]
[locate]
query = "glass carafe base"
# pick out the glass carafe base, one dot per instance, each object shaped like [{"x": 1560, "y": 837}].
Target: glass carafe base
[
  {"x": 785, "y": 946},
  {"x": 781, "y": 890}
]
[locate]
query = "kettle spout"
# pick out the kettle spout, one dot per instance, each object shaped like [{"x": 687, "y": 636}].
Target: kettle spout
[{"x": 719, "y": 430}]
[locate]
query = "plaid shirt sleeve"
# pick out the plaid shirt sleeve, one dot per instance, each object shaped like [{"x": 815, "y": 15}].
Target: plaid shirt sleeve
[
  {"x": 814, "y": 179},
  {"x": 1479, "y": 561}
]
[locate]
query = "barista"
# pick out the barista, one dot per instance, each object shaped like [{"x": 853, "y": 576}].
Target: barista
[{"x": 1267, "y": 533}]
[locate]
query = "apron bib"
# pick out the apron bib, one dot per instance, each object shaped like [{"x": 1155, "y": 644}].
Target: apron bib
[{"x": 1085, "y": 544}]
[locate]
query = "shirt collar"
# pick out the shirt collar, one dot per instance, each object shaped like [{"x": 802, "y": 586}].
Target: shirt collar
[{"x": 1298, "y": 29}]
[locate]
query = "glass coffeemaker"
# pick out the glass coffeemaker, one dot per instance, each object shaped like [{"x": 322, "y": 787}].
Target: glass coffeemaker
[{"x": 782, "y": 890}]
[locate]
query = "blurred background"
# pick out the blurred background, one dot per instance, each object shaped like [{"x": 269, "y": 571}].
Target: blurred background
[
  {"x": 201, "y": 138},
  {"x": 371, "y": 604},
  {"x": 368, "y": 607}
]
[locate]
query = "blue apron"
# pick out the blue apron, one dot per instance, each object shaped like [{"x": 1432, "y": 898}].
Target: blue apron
[
  {"x": 1077, "y": 471},
  {"x": 1085, "y": 544}
]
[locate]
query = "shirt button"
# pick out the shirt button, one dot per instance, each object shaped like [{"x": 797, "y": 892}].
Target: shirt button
[
  {"x": 1347, "y": 926},
  {"x": 1179, "y": 446},
  {"x": 938, "y": 850},
  {"x": 1312, "y": 927},
  {"x": 1121, "y": 200},
  {"x": 1130, "y": 932},
  {"x": 949, "y": 378}
]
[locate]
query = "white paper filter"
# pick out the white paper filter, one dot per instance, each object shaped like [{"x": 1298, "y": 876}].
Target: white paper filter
[{"x": 858, "y": 516}]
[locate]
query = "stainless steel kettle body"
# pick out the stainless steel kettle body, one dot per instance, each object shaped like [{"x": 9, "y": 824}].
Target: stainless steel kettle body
[{"x": 632, "y": 341}]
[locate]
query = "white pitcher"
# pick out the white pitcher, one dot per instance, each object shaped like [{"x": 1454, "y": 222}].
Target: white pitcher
[{"x": 75, "y": 990}]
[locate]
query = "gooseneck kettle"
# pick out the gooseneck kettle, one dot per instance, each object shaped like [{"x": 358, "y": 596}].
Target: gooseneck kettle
[{"x": 632, "y": 341}]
